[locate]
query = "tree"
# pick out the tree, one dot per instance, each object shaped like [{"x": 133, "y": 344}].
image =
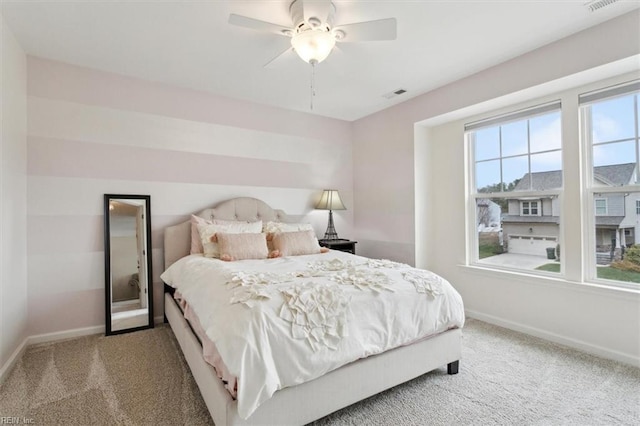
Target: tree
[
  {"x": 498, "y": 187},
  {"x": 484, "y": 212}
]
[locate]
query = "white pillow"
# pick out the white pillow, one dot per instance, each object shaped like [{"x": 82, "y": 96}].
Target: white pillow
[
  {"x": 273, "y": 227},
  {"x": 209, "y": 230}
]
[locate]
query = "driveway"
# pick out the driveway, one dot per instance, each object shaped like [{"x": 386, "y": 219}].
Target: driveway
[{"x": 520, "y": 261}]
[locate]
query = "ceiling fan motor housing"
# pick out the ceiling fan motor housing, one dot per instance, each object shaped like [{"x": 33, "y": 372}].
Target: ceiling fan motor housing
[{"x": 296, "y": 10}]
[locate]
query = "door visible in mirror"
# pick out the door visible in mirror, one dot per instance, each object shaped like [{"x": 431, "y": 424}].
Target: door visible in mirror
[{"x": 128, "y": 284}]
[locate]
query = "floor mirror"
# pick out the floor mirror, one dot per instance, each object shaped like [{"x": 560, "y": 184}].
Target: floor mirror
[{"x": 127, "y": 249}]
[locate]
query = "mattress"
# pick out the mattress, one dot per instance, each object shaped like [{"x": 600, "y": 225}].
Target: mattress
[{"x": 281, "y": 322}]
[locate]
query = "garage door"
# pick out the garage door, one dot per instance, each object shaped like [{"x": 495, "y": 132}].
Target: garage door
[{"x": 528, "y": 244}]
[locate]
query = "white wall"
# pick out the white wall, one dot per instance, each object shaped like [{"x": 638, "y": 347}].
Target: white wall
[
  {"x": 92, "y": 132},
  {"x": 13, "y": 205},
  {"x": 409, "y": 183}
]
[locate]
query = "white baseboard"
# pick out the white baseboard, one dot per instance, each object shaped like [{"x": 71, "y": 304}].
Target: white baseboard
[
  {"x": 557, "y": 338},
  {"x": 67, "y": 334},
  {"x": 13, "y": 359}
]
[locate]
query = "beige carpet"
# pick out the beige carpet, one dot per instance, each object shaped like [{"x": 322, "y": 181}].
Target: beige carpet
[
  {"x": 506, "y": 378},
  {"x": 138, "y": 378}
]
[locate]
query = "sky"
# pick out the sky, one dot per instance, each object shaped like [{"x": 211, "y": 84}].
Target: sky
[{"x": 614, "y": 135}]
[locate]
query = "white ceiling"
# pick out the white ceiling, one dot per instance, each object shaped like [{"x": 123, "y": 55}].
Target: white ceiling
[{"x": 190, "y": 44}]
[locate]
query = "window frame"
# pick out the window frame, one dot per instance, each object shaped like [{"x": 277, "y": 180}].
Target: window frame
[
  {"x": 577, "y": 235},
  {"x": 529, "y": 202},
  {"x": 552, "y": 105},
  {"x": 592, "y": 192},
  {"x": 606, "y": 206}
]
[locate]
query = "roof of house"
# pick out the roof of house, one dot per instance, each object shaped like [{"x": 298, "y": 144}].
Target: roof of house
[
  {"x": 529, "y": 219},
  {"x": 613, "y": 221},
  {"x": 609, "y": 220},
  {"x": 613, "y": 175},
  {"x": 484, "y": 202}
]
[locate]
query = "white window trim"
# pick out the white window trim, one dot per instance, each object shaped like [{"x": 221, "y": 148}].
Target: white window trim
[
  {"x": 606, "y": 206},
  {"x": 538, "y": 207},
  {"x": 637, "y": 207},
  {"x": 589, "y": 236}
]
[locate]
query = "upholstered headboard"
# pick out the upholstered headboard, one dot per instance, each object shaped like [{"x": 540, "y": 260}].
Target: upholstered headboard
[{"x": 177, "y": 239}]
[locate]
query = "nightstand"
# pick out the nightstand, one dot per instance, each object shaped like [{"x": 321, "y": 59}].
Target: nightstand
[{"x": 340, "y": 244}]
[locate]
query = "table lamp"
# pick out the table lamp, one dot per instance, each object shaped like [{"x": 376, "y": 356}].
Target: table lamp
[{"x": 330, "y": 200}]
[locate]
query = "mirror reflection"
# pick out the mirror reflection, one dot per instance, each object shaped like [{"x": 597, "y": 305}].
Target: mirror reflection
[{"x": 128, "y": 266}]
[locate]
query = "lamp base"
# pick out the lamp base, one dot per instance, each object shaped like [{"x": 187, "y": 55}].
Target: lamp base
[{"x": 331, "y": 233}]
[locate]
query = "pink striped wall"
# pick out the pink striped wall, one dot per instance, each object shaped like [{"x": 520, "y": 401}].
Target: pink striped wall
[
  {"x": 13, "y": 200},
  {"x": 91, "y": 132}
]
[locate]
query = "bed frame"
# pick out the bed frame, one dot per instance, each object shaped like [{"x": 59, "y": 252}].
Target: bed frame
[{"x": 309, "y": 401}]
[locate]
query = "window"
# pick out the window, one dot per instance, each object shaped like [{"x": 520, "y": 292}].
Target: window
[
  {"x": 611, "y": 122},
  {"x": 517, "y": 181},
  {"x": 517, "y": 173},
  {"x": 601, "y": 206},
  {"x": 529, "y": 208}
]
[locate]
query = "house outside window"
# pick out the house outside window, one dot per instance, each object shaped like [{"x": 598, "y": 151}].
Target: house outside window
[
  {"x": 517, "y": 167},
  {"x": 611, "y": 121}
]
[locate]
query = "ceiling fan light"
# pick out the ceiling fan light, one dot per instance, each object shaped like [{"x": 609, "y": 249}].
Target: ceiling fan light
[{"x": 313, "y": 45}]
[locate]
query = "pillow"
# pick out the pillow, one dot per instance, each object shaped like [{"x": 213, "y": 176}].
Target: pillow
[
  {"x": 296, "y": 243},
  {"x": 208, "y": 231},
  {"x": 272, "y": 227},
  {"x": 242, "y": 246},
  {"x": 196, "y": 243}
]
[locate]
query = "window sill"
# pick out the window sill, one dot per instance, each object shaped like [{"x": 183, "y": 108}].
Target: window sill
[{"x": 555, "y": 280}]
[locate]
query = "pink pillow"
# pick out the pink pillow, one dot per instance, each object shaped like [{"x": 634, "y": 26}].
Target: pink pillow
[
  {"x": 242, "y": 246},
  {"x": 296, "y": 243}
]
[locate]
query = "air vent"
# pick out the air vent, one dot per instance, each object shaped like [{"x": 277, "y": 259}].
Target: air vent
[
  {"x": 598, "y": 4},
  {"x": 394, "y": 93}
]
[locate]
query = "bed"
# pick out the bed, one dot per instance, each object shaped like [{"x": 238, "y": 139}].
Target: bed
[{"x": 312, "y": 399}]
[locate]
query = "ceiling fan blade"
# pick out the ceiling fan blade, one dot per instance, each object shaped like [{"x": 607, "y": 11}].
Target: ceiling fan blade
[
  {"x": 278, "y": 58},
  {"x": 383, "y": 29},
  {"x": 255, "y": 24},
  {"x": 320, "y": 9}
]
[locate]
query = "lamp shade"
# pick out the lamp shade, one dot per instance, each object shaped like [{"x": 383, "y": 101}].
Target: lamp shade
[
  {"x": 313, "y": 45},
  {"x": 330, "y": 200}
]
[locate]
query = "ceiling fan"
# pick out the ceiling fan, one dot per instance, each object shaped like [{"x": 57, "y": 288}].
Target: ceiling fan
[{"x": 313, "y": 35}]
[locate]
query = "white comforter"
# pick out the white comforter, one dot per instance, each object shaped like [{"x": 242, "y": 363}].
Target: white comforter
[{"x": 281, "y": 322}]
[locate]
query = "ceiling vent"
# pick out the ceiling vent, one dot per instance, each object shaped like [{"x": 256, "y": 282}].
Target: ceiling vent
[
  {"x": 598, "y": 4},
  {"x": 394, "y": 93}
]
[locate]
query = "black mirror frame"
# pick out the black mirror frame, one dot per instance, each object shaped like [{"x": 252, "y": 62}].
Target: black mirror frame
[{"x": 107, "y": 262}]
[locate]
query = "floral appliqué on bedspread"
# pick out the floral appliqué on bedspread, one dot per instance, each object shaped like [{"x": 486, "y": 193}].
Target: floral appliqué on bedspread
[
  {"x": 322, "y": 267},
  {"x": 317, "y": 313},
  {"x": 424, "y": 281},
  {"x": 363, "y": 279},
  {"x": 385, "y": 263},
  {"x": 250, "y": 295},
  {"x": 252, "y": 287},
  {"x": 257, "y": 278}
]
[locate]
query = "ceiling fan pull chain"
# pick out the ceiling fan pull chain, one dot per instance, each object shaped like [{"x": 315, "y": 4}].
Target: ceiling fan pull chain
[{"x": 313, "y": 81}]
